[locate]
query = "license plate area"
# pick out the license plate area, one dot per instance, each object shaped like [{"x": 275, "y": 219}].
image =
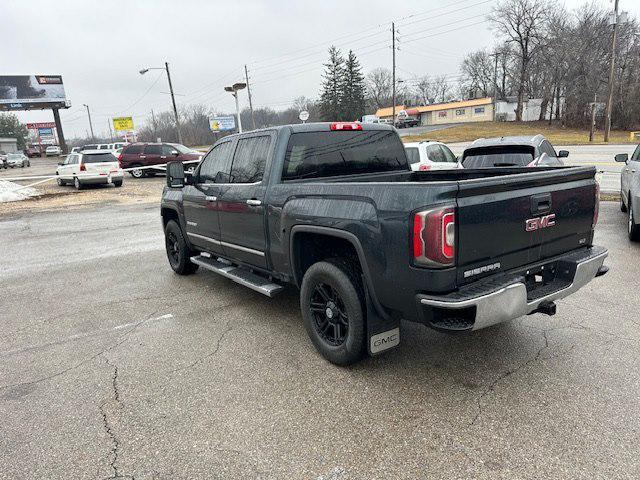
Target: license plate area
[{"x": 547, "y": 279}]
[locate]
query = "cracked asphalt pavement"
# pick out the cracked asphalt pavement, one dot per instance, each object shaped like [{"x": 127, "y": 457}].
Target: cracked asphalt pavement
[{"x": 113, "y": 367}]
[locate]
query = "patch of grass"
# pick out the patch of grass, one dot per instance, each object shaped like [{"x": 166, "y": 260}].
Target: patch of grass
[{"x": 555, "y": 134}]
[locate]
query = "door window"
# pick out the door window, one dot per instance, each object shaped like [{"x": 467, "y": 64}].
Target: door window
[
  {"x": 133, "y": 150},
  {"x": 153, "y": 150},
  {"x": 636, "y": 154},
  {"x": 435, "y": 154},
  {"x": 168, "y": 150},
  {"x": 250, "y": 159},
  {"x": 413, "y": 155},
  {"x": 448, "y": 154},
  {"x": 215, "y": 165}
]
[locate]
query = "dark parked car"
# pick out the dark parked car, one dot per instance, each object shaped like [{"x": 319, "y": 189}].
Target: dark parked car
[
  {"x": 535, "y": 151},
  {"x": 335, "y": 210},
  {"x": 150, "y": 154},
  {"x": 32, "y": 151}
]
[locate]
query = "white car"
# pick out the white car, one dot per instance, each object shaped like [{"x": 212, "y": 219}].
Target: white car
[
  {"x": 53, "y": 151},
  {"x": 89, "y": 168},
  {"x": 426, "y": 155}
]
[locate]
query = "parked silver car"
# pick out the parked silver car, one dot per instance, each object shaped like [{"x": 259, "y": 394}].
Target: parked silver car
[
  {"x": 630, "y": 191},
  {"x": 17, "y": 160}
]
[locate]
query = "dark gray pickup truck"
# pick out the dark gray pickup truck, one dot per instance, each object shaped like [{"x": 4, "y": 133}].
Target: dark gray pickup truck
[{"x": 335, "y": 210}]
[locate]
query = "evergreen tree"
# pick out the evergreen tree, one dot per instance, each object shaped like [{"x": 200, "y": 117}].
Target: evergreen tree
[
  {"x": 11, "y": 127},
  {"x": 331, "y": 97},
  {"x": 353, "y": 90}
]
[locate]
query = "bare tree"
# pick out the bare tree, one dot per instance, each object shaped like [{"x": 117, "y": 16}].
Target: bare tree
[
  {"x": 425, "y": 90},
  {"x": 477, "y": 71},
  {"x": 379, "y": 84},
  {"x": 442, "y": 89},
  {"x": 522, "y": 23}
]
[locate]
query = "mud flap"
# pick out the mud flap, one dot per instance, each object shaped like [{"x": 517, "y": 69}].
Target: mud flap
[{"x": 383, "y": 332}]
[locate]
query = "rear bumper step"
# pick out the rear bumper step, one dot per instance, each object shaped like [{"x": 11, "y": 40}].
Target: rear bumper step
[
  {"x": 244, "y": 277},
  {"x": 505, "y": 297}
]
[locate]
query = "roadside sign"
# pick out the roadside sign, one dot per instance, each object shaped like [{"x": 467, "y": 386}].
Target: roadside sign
[
  {"x": 222, "y": 124},
  {"x": 45, "y": 132},
  {"x": 304, "y": 116},
  {"x": 123, "y": 124},
  {"x": 36, "y": 126}
]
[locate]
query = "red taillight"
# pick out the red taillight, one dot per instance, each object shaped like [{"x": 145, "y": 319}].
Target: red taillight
[
  {"x": 83, "y": 168},
  {"x": 424, "y": 167},
  {"x": 346, "y": 126},
  {"x": 434, "y": 237},
  {"x": 596, "y": 209}
]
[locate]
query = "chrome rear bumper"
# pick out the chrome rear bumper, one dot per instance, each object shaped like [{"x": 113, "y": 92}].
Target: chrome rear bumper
[{"x": 511, "y": 299}]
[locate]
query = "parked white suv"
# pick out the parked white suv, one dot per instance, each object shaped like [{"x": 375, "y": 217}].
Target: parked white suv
[
  {"x": 90, "y": 167},
  {"x": 424, "y": 156},
  {"x": 52, "y": 151}
]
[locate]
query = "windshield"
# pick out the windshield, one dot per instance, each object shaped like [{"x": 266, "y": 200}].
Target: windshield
[
  {"x": 98, "y": 158},
  {"x": 14, "y": 156},
  {"x": 503, "y": 156}
]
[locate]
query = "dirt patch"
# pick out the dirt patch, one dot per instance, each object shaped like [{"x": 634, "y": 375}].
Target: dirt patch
[{"x": 52, "y": 196}]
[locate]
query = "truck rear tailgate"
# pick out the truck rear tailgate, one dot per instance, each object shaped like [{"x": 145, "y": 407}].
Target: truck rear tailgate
[{"x": 505, "y": 222}]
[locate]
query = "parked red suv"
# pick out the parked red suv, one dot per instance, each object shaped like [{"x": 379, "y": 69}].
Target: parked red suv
[{"x": 148, "y": 154}]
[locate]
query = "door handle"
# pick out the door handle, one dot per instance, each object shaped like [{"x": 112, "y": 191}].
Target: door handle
[
  {"x": 210, "y": 198},
  {"x": 254, "y": 202},
  {"x": 142, "y": 156}
]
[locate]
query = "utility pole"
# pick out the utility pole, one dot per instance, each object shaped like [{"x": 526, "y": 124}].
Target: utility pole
[
  {"x": 495, "y": 85},
  {"x": 246, "y": 76},
  {"x": 173, "y": 101},
  {"x": 110, "y": 131},
  {"x": 61, "y": 141},
  {"x": 90, "y": 124},
  {"x": 607, "y": 122},
  {"x": 593, "y": 117},
  {"x": 393, "y": 72}
]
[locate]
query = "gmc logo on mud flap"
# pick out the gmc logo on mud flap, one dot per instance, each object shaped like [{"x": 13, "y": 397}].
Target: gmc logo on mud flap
[
  {"x": 385, "y": 340},
  {"x": 540, "y": 222}
]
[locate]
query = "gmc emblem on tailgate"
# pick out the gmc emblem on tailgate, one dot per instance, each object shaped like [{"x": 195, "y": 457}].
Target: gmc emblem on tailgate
[{"x": 540, "y": 222}]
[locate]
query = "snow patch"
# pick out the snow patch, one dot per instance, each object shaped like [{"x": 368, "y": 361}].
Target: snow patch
[{"x": 13, "y": 192}]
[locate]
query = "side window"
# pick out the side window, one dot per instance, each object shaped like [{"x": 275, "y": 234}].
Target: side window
[
  {"x": 435, "y": 154},
  {"x": 548, "y": 149},
  {"x": 636, "y": 154},
  {"x": 133, "y": 150},
  {"x": 215, "y": 164},
  {"x": 168, "y": 150},
  {"x": 153, "y": 150},
  {"x": 448, "y": 154},
  {"x": 250, "y": 159},
  {"x": 413, "y": 155}
]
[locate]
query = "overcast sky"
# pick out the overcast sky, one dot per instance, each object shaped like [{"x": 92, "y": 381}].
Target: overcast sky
[{"x": 99, "y": 46}]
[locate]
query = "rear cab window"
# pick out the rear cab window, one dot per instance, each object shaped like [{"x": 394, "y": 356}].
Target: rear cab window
[
  {"x": 322, "y": 154},
  {"x": 499, "y": 156},
  {"x": 413, "y": 155}
]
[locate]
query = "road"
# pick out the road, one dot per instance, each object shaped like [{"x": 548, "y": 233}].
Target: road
[{"x": 113, "y": 367}]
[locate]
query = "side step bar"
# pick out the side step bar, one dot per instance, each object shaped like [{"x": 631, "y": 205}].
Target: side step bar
[{"x": 243, "y": 277}]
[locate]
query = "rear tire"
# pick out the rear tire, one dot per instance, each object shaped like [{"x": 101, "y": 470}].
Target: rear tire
[
  {"x": 61, "y": 182},
  {"x": 117, "y": 183},
  {"x": 332, "y": 305},
  {"x": 77, "y": 183},
  {"x": 178, "y": 252},
  {"x": 634, "y": 228},
  {"x": 136, "y": 172}
]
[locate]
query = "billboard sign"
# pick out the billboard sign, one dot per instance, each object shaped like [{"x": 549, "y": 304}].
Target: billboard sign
[
  {"x": 45, "y": 132},
  {"x": 123, "y": 124},
  {"x": 26, "y": 92},
  {"x": 36, "y": 126},
  {"x": 222, "y": 124}
]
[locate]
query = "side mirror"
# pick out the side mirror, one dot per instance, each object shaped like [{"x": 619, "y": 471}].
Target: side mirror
[
  {"x": 175, "y": 175},
  {"x": 622, "y": 157},
  {"x": 175, "y": 153},
  {"x": 60, "y": 163},
  {"x": 563, "y": 153}
]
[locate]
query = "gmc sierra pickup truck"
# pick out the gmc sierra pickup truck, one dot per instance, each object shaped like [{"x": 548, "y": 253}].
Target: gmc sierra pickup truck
[{"x": 335, "y": 210}]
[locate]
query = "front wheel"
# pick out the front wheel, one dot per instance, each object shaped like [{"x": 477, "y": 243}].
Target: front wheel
[
  {"x": 117, "y": 183},
  {"x": 178, "y": 252},
  {"x": 623, "y": 207},
  {"x": 331, "y": 301},
  {"x": 77, "y": 183},
  {"x": 137, "y": 172},
  {"x": 60, "y": 182}
]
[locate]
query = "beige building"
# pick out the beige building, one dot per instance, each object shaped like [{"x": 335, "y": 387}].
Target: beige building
[{"x": 476, "y": 110}]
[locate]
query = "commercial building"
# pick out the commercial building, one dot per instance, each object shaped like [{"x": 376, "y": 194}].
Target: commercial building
[{"x": 9, "y": 145}]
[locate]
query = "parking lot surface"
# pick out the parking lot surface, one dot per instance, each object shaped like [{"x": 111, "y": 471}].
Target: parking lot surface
[{"x": 111, "y": 366}]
